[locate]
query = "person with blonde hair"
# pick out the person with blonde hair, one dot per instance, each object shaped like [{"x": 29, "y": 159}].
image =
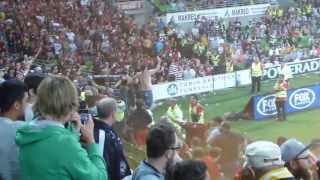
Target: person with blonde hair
[{"x": 50, "y": 151}]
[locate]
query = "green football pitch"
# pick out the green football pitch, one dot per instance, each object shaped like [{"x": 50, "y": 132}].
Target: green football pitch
[{"x": 302, "y": 125}]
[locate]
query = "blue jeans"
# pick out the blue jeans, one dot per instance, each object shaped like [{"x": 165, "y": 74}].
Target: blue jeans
[{"x": 147, "y": 97}]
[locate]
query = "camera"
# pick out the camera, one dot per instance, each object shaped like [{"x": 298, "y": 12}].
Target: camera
[{"x": 84, "y": 116}]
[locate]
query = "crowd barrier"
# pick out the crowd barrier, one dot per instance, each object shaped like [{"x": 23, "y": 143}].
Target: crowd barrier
[
  {"x": 229, "y": 80},
  {"x": 299, "y": 99}
]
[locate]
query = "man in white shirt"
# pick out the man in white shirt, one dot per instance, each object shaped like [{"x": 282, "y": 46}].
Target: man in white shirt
[
  {"x": 217, "y": 122},
  {"x": 189, "y": 73}
]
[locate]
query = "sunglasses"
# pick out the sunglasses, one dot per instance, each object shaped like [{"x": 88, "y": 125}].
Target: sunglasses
[
  {"x": 174, "y": 147},
  {"x": 303, "y": 150}
]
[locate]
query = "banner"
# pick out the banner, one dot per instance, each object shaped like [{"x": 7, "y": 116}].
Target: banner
[
  {"x": 301, "y": 67},
  {"x": 223, "y": 81},
  {"x": 238, "y": 11},
  {"x": 181, "y": 88},
  {"x": 298, "y": 100},
  {"x": 130, "y": 5},
  {"x": 243, "y": 77}
]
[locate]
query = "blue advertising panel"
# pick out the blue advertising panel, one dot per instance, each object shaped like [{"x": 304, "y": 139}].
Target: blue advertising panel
[{"x": 298, "y": 100}]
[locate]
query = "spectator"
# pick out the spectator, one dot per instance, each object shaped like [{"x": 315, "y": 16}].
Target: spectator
[
  {"x": 230, "y": 144},
  {"x": 145, "y": 82},
  {"x": 191, "y": 170},
  {"x": 161, "y": 153},
  {"x": 263, "y": 161},
  {"x": 13, "y": 95},
  {"x": 217, "y": 122},
  {"x": 57, "y": 149},
  {"x": 32, "y": 81},
  {"x": 138, "y": 121},
  {"x": 1, "y": 76},
  {"x": 189, "y": 73},
  {"x": 297, "y": 159},
  {"x": 281, "y": 140},
  {"x": 108, "y": 140},
  {"x": 210, "y": 159},
  {"x": 174, "y": 71}
]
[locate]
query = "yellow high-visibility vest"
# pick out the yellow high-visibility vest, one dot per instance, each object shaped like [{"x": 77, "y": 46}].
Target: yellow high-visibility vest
[
  {"x": 256, "y": 70},
  {"x": 308, "y": 9},
  {"x": 275, "y": 174},
  {"x": 229, "y": 67},
  {"x": 280, "y": 12},
  {"x": 281, "y": 90},
  {"x": 194, "y": 110}
]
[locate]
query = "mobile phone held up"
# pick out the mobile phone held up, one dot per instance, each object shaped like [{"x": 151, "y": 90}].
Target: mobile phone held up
[{"x": 84, "y": 116}]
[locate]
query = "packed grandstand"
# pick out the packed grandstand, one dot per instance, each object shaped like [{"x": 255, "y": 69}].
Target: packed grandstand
[{"x": 82, "y": 86}]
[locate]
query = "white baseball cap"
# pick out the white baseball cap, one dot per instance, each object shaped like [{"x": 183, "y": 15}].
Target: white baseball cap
[{"x": 261, "y": 154}]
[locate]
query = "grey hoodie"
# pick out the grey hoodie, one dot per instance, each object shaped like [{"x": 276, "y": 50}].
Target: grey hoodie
[{"x": 9, "y": 164}]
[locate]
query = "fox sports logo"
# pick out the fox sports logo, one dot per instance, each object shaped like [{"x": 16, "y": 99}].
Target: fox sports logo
[
  {"x": 266, "y": 106},
  {"x": 302, "y": 98}
]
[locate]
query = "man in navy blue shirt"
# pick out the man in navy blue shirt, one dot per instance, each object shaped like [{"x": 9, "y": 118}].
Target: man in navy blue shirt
[{"x": 109, "y": 142}]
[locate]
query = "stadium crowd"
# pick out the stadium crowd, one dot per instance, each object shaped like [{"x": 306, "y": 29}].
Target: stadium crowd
[{"x": 57, "y": 124}]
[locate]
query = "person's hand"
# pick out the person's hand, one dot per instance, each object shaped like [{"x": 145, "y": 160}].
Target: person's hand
[
  {"x": 87, "y": 131},
  {"x": 75, "y": 117}
]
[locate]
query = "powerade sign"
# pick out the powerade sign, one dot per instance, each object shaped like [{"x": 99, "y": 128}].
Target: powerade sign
[
  {"x": 298, "y": 100},
  {"x": 302, "y": 67}
]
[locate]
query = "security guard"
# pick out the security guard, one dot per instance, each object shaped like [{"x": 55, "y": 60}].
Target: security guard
[
  {"x": 175, "y": 114},
  {"x": 308, "y": 9},
  {"x": 196, "y": 110},
  {"x": 279, "y": 12},
  {"x": 256, "y": 74},
  {"x": 121, "y": 109},
  {"x": 229, "y": 66},
  {"x": 281, "y": 88}
]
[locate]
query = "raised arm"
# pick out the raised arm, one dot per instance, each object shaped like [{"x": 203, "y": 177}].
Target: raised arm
[{"x": 153, "y": 71}]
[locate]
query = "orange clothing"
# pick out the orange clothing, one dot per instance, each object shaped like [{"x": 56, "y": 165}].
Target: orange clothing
[
  {"x": 140, "y": 136},
  {"x": 213, "y": 168}
]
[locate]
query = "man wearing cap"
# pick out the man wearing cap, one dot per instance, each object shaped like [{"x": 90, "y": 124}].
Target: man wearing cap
[
  {"x": 263, "y": 159},
  {"x": 297, "y": 158}
]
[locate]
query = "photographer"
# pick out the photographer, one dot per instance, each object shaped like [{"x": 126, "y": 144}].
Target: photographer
[{"x": 58, "y": 152}]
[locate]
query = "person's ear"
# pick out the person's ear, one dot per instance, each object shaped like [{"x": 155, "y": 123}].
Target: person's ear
[
  {"x": 17, "y": 105},
  {"x": 293, "y": 164},
  {"x": 167, "y": 154},
  {"x": 31, "y": 92}
]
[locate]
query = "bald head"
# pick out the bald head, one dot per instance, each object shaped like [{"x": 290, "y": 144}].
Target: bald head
[{"x": 106, "y": 107}]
